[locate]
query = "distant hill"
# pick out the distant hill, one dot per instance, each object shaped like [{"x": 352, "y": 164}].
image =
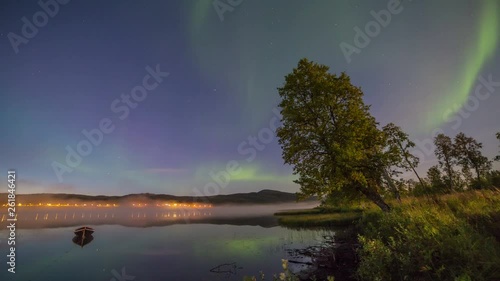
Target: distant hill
[{"x": 262, "y": 197}]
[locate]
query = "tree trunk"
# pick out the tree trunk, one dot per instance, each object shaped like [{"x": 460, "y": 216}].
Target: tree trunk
[
  {"x": 375, "y": 198},
  {"x": 450, "y": 174},
  {"x": 391, "y": 184},
  {"x": 478, "y": 173},
  {"x": 410, "y": 164},
  {"x": 418, "y": 177}
]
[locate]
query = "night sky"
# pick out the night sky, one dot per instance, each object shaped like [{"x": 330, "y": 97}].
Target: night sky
[{"x": 223, "y": 70}]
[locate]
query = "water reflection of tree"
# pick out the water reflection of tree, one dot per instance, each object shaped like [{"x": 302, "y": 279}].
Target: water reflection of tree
[
  {"x": 226, "y": 270},
  {"x": 335, "y": 256}
]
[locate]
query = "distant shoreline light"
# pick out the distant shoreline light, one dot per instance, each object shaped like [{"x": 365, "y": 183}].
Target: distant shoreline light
[{"x": 135, "y": 205}]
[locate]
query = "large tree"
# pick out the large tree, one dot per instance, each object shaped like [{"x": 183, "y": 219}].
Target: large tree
[
  {"x": 468, "y": 154},
  {"x": 328, "y": 135},
  {"x": 445, "y": 154}
]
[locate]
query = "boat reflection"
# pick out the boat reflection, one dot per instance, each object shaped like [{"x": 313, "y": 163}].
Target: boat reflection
[{"x": 82, "y": 240}]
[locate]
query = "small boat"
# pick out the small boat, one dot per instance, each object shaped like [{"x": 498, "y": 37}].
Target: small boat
[{"x": 84, "y": 231}]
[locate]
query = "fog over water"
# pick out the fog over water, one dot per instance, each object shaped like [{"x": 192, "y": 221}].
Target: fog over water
[{"x": 49, "y": 217}]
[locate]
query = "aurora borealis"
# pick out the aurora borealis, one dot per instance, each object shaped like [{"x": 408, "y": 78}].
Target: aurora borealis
[
  {"x": 221, "y": 91},
  {"x": 481, "y": 51}
]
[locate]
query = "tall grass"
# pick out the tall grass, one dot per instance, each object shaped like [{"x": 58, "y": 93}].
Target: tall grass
[
  {"x": 451, "y": 237},
  {"x": 324, "y": 216},
  {"x": 319, "y": 220}
]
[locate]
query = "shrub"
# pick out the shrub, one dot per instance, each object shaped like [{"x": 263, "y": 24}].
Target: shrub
[{"x": 494, "y": 178}]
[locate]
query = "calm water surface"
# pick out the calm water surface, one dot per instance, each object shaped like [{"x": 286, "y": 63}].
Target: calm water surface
[{"x": 152, "y": 245}]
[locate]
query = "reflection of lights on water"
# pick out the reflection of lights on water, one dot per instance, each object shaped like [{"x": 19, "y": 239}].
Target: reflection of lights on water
[
  {"x": 94, "y": 216},
  {"x": 60, "y": 205}
]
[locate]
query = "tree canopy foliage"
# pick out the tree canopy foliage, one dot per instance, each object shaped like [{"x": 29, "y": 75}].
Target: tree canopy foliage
[
  {"x": 445, "y": 155},
  {"x": 329, "y": 136},
  {"x": 468, "y": 153},
  {"x": 400, "y": 145}
]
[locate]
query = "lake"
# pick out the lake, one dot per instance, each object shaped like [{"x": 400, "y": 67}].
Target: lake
[{"x": 221, "y": 243}]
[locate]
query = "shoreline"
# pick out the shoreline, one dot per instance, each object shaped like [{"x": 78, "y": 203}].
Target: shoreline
[{"x": 445, "y": 232}]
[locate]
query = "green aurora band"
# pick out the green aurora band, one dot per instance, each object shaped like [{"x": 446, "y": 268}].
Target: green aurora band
[
  {"x": 248, "y": 173},
  {"x": 483, "y": 50}
]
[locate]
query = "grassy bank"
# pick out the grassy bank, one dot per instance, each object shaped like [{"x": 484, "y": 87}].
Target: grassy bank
[
  {"x": 452, "y": 237},
  {"x": 320, "y": 217}
]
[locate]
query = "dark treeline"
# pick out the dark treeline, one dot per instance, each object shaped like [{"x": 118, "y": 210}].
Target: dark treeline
[{"x": 461, "y": 166}]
